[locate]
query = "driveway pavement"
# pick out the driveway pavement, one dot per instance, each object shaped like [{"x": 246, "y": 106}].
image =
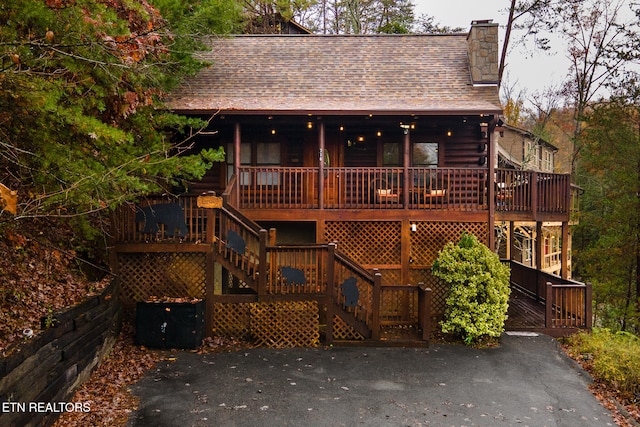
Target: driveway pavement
[{"x": 526, "y": 381}]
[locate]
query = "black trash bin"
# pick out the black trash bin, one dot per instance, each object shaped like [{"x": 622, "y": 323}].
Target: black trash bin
[{"x": 170, "y": 324}]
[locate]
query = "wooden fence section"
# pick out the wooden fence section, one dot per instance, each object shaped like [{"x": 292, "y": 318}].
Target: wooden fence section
[{"x": 55, "y": 362}]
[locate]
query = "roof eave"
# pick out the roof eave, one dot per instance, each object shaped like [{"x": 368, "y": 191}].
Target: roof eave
[{"x": 317, "y": 112}]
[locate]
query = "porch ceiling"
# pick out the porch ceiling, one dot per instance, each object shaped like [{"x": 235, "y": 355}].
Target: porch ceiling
[{"x": 381, "y": 74}]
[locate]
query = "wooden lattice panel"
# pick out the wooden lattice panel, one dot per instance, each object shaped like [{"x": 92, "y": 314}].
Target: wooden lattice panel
[
  {"x": 342, "y": 331},
  {"x": 367, "y": 242},
  {"x": 391, "y": 276},
  {"x": 430, "y": 237},
  {"x": 285, "y": 324},
  {"x": 232, "y": 320},
  {"x": 164, "y": 274}
]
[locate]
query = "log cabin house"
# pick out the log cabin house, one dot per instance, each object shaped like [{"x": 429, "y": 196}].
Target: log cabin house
[{"x": 350, "y": 162}]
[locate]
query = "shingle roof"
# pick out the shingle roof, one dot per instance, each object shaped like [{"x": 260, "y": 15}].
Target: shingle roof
[{"x": 392, "y": 74}]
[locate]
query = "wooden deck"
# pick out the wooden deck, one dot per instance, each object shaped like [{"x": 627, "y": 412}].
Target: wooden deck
[{"x": 525, "y": 313}]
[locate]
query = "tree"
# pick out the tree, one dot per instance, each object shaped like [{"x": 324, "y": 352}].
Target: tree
[
  {"x": 608, "y": 236},
  {"x": 598, "y": 37},
  {"x": 360, "y": 16},
  {"x": 82, "y": 127}
]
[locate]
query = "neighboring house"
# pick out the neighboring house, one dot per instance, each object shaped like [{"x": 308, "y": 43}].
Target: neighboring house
[
  {"x": 345, "y": 155},
  {"x": 520, "y": 149}
]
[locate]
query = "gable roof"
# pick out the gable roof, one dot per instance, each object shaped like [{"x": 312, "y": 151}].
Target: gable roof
[{"x": 313, "y": 74}]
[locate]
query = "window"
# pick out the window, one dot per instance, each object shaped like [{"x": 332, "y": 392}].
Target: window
[
  {"x": 267, "y": 154},
  {"x": 425, "y": 154},
  {"x": 245, "y": 160},
  {"x": 391, "y": 154},
  {"x": 548, "y": 161}
]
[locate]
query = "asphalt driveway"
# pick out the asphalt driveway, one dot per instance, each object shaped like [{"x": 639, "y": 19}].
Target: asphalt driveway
[{"x": 526, "y": 381}]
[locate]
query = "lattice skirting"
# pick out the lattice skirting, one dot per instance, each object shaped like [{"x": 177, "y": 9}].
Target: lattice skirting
[
  {"x": 277, "y": 324},
  {"x": 342, "y": 331},
  {"x": 165, "y": 274}
]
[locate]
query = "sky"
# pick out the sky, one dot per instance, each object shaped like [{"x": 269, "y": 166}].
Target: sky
[{"x": 530, "y": 72}]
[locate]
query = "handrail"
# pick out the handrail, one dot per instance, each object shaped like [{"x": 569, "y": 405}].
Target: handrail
[{"x": 567, "y": 302}]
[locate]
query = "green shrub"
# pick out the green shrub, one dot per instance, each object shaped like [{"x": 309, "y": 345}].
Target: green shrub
[
  {"x": 478, "y": 295},
  {"x": 613, "y": 358}
]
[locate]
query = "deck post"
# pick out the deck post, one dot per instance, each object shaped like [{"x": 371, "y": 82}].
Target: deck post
[
  {"x": 321, "y": 148},
  {"x": 539, "y": 259},
  {"x": 491, "y": 186},
  {"x": 424, "y": 310},
  {"x": 209, "y": 290},
  {"x": 329, "y": 291},
  {"x": 588, "y": 309},
  {"x": 534, "y": 195},
  {"x": 564, "y": 251},
  {"x": 406, "y": 163},
  {"x": 376, "y": 297},
  {"x": 236, "y": 159},
  {"x": 262, "y": 262},
  {"x": 548, "y": 304}
]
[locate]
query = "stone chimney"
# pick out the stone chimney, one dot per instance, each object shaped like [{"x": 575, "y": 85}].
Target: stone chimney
[{"x": 483, "y": 52}]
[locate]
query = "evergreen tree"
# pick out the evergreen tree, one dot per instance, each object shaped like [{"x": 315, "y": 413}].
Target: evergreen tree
[{"x": 82, "y": 127}]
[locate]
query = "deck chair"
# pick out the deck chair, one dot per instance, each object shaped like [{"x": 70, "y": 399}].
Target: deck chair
[{"x": 383, "y": 193}]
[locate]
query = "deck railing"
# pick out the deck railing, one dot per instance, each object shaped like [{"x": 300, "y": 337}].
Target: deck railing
[
  {"x": 567, "y": 302},
  {"x": 527, "y": 191},
  {"x": 453, "y": 189}
]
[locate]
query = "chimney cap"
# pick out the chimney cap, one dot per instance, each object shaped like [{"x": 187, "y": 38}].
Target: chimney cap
[{"x": 482, "y": 21}]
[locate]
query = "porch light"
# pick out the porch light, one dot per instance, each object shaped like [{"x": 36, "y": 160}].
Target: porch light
[
  {"x": 379, "y": 133},
  {"x": 309, "y": 125},
  {"x": 360, "y": 138},
  {"x": 341, "y": 128},
  {"x": 273, "y": 131},
  {"x": 449, "y": 133}
]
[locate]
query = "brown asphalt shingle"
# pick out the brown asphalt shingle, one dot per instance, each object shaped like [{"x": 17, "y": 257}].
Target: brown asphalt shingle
[{"x": 426, "y": 74}]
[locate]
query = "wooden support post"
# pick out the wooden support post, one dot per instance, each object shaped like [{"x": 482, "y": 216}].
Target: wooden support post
[
  {"x": 491, "y": 187},
  {"x": 262, "y": 263},
  {"x": 539, "y": 258},
  {"x": 406, "y": 163},
  {"x": 321, "y": 148},
  {"x": 512, "y": 241},
  {"x": 405, "y": 250},
  {"x": 424, "y": 310},
  {"x": 588, "y": 309},
  {"x": 211, "y": 226},
  {"x": 330, "y": 292},
  {"x": 534, "y": 195},
  {"x": 209, "y": 289},
  {"x": 548, "y": 304},
  {"x": 564, "y": 251},
  {"x": 376, "y": 299},
  {"x": 236, "y": 160}
]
